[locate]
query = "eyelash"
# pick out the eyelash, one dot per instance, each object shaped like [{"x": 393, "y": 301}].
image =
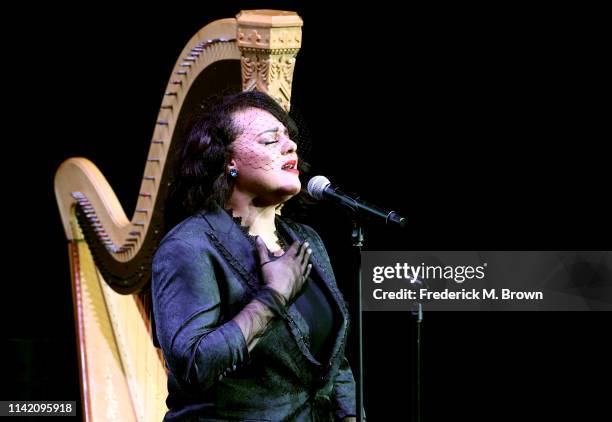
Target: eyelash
[{"x": 276, "y": 138}]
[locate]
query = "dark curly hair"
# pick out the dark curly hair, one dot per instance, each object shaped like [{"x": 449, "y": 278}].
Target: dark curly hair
[{"x": 200, "y": 179}]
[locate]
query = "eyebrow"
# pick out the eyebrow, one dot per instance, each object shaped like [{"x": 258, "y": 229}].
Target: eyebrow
[{"x": 276, "y": 129}]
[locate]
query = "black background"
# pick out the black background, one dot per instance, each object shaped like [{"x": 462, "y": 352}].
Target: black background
[{"x": 484, "y": 127}]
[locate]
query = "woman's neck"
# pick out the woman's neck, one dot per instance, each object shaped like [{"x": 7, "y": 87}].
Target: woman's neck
[{"x": 259, "y": 219}]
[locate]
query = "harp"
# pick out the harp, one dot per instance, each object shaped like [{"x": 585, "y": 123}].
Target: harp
[{"x": 122, "y": 374}]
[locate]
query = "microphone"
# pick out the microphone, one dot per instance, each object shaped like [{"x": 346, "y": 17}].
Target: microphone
[{"x": 319, "y": 187}]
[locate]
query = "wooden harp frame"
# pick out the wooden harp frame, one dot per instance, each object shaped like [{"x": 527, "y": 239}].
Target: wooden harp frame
[{"x": 122, "y": 375}]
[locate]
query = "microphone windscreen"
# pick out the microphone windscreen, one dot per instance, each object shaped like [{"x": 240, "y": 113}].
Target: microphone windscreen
[{"x": 317, "y": 185}]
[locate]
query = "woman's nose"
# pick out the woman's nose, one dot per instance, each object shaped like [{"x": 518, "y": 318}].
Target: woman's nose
[{"x": 289, "y": 146}]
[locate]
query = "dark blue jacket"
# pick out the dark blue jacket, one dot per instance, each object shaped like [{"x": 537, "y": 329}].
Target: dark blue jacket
[{"x": 204, "y": 272}]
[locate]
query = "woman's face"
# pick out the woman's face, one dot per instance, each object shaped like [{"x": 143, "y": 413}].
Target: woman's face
[{"x": 265, "y": 157}]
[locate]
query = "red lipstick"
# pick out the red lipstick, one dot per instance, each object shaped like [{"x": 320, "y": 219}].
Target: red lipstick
[{"x": 291, "y": 166}]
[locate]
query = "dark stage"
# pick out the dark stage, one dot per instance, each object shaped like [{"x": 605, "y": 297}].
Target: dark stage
[{"x": 483, "y": 127}]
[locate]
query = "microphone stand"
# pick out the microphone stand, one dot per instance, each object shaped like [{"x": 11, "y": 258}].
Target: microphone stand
[
  {"x": 358, "y": 239},
  {"x": 355, "y": 206},
  {"x": 419, "y": 314}
]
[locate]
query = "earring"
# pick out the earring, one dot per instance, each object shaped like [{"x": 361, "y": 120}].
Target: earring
[{"x": 233, "y": 173}]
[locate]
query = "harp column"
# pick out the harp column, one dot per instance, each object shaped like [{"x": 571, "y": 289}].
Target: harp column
[{"x": 269, "y": 41}]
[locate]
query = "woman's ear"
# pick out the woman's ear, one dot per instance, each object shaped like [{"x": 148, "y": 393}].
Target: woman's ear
[{"x": 231, "y": 165}]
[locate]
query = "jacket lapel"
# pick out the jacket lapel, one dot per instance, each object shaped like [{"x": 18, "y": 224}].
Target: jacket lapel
[
  {"x": 325, "y": 275},
  {"x": 229, "y": 240}
]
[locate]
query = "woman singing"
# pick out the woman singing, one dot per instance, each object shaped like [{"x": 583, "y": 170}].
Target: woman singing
[{"x": 246, "y": 307}]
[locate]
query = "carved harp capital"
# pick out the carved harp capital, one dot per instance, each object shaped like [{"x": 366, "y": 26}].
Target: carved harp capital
[{"x": 269, "y": 41}]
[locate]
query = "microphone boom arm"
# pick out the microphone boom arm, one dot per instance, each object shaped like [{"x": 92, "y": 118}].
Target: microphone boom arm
[{"x": 363, "y": 208}]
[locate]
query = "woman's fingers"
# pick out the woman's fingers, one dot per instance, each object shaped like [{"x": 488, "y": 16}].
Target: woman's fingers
[
  {"x": 299, "y": 255},
  {"x": 294, "y": 249},
  {"x": 307, "y": 273},
  {"x": 302, "y": 251},
  {"x": 306, "y": 259},
  {"x": 303, "y": 256},
  {"x": 262, "y": 250}
]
